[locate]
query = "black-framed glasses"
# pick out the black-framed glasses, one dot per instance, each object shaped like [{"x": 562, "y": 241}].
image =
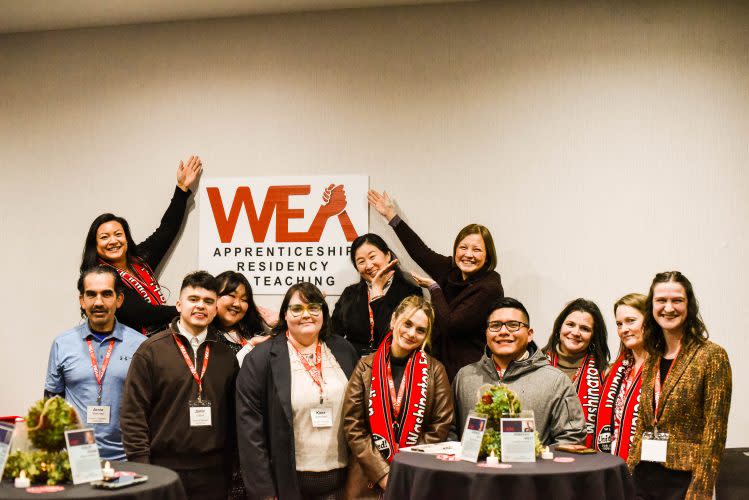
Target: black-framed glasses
[
  {"x": 512, "y": 326},
  {"x": 313, "y": 308}
]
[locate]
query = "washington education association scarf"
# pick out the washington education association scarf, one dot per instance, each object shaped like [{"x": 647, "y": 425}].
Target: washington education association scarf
[
  {"x": 588, "y": 382},
  {"x": 141, "y": 280},
  {"x": 618, "y": 411},
  {"x": 396, "y": 420}
]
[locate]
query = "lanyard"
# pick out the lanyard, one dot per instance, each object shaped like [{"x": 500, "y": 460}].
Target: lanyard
[
  {"x": 657, "y": 386},
  {"x": 238, "y": 338},
  {"x": 99, "y": 374},
  {"x": 500, "y": 371},
  {"x": 315, "y": 372},
  {"x": 188, "y": 361},
  {"x": 371, "y": 321},
  {"x": 397, "y": 400}
]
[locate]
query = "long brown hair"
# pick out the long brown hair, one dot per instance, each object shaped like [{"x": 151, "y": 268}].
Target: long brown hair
[{"x": 694, "y": 328}]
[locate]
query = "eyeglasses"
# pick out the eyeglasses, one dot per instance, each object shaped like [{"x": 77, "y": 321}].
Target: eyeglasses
[
  {"x": 512, "y": 326},
  {"x": 314, "y": 309}
]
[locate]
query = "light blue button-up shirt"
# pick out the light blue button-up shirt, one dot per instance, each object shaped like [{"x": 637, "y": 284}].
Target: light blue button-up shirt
[{"x": 70, "y": 371}]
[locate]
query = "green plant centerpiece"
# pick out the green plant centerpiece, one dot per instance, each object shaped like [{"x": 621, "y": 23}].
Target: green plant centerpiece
[
  {"x": 497, "y": 401},
  {"x": 47, "y": 422}
]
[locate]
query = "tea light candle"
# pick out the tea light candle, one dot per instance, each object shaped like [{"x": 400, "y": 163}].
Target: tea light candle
[
  {"x": 107, "y": 471},
  {"x": 492, "y": 459},
  {"x": 546, "y": 454},
  {"x": 22, "y": 481}
]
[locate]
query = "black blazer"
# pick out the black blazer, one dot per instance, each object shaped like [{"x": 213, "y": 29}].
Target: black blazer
[
  {"x": 264, "y": 417},
  {"x": 351, "y": 315}
]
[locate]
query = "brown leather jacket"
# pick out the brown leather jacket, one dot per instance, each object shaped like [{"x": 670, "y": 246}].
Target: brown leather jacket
[
  {"x": 367, "y": 464},
  {"x": 696, "y": 398}
]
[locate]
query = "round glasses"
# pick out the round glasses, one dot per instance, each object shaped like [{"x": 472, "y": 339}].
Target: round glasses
[{"x": 314, "y": 309}]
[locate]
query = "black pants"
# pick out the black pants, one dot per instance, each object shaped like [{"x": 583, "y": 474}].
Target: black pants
[
  {"x": 655, "y": 482},
  {"x": 326, "y": 485},
  {"x": 205, "y": 484}
]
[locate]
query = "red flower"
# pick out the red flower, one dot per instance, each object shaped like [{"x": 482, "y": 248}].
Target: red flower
[{"x": 487, "y": 399}]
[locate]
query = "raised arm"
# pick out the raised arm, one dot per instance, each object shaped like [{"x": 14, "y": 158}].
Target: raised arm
[
  {"x": 436, "y": 265},
  {"x": 157, "y": 245}
]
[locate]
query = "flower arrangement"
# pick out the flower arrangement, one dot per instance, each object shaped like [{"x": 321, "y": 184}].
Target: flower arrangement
[
  {"x": 47, "y": 422},
  {"x": 497, "y": 401}
]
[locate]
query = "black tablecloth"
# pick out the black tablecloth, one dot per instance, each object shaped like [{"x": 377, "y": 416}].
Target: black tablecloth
[
  {"x": 733, "y": 478},
  {"x": 162, "y": 484},
  {"x": 600, "y": 476}
]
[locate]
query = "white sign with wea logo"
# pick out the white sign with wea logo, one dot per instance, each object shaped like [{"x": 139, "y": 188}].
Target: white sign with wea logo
[{"x": 279, "y": 231}]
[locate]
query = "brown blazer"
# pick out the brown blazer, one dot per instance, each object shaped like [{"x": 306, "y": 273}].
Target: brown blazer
[
  {"x": 367, "y": 464},
  {"x": 695, "y": 401}
]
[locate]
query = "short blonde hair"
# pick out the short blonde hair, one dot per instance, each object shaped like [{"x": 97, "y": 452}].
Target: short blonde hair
[{"x": 409, "y": 306}]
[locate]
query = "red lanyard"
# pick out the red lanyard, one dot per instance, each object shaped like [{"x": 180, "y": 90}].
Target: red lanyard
[
  {"x": 198, "y": 379},
  {"x": 657, "y": 385},
  {"x": 371, "y": 321},
  {"x": 99, "y": 374},
  {"x": 500, "y": 372},
  {"x": 397, "y": 400},
  {"x": 314, "y": 371}
]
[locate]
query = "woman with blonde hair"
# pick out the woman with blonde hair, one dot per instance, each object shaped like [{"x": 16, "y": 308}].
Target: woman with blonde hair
[
  {"x": 382, "y": 392},
  {"x": 620, "y": 402}
]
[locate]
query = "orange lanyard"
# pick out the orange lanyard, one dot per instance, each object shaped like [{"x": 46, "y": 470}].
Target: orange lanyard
[
  {"x": 397, "y": 400},
  {"x": 371, "y": 321},
  {"x": 198, "y": 379},
  {"x": 657, "y": 386},
  {"x": 315, "y": 372},
  {"x": 99, "y": 374}
]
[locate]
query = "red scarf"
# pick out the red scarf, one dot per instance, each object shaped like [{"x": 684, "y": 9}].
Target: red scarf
[
  {"x": 391, "y": 431},
  {"x": 588, "y": 382},
  {"x": 620, "y": 396},
  {"x": 141, "y": 280}
]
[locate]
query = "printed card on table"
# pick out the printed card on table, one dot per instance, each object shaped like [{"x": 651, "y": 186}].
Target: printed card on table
[{"x": 85, "y": 463}]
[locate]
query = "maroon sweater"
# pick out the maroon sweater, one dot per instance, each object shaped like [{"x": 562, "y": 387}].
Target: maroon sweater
[
  {"x": 155, "y": 416},
  {"x": 460, "y": 305}
]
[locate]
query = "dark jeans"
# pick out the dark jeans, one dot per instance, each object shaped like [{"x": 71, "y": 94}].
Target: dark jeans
[
  {"x": 326, "y": 485},
  {"x": 205, "y": 484},
  {"x": 655, "y": 482}
]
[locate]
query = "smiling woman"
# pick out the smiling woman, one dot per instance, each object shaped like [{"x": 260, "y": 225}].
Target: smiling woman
[{"x": 109, "y": 242}]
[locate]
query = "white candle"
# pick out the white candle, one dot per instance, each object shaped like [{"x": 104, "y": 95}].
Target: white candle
[
  {"x": 22, "y": 481},
  {"x": 546, "y": 454},
  {"x": 107, "y": 471},
  {"x": 492, "y": 459}
]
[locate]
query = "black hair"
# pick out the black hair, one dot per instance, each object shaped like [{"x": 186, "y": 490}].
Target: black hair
[
  {"x": 251, "y": 324},
  {"x": 119, "y": 288},
  {"x": 598, "y": 342},
  {"x": 200, "y": 279},
  {"x": 309, "y": 294},
  {"x": 508, "y": 303},
  {"x": 376, "y": 241},
  {"x": 90, "y": 257}
]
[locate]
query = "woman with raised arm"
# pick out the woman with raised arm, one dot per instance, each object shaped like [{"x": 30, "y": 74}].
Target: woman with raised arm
[
  {"x": 578, "y": 347},
  {"x": 290, "y": 392},
  {"x": 363, "y": 312},
  {"x": 383, "y": 392},
  {"x": 685, "y": 399},
  {"x": 110, "y": 243},
  {"x": 620, "y": 399},
  {"x": 462, "y": 286}
]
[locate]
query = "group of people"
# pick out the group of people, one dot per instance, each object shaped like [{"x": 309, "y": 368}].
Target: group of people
[{"x": 243, "y": 402}]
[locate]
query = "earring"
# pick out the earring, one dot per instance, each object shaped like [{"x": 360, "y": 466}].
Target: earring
[{"x": 591, "y": 347}]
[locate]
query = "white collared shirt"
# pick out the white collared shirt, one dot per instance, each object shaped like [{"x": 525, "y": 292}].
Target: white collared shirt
[{"x": 189, "y": 336}]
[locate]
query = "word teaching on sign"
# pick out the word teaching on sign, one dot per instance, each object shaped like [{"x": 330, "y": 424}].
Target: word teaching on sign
[{"x": 278, "y": 231}]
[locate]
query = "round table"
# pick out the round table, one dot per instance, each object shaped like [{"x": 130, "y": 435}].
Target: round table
[
  {"x": 420, "y": 476},
  {"x": 162, "y": 484}
]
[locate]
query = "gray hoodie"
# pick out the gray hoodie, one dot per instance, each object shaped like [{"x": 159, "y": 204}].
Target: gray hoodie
[{"x": 541, "y": 388}]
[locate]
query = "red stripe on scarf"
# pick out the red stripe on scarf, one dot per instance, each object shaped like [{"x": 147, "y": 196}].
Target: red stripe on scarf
[
  {"x": 389, "y": 434},
  {"x": 607, "y": 431},
  {"x": 142, "y": 280},
  {"x": 588, "y": 384}
]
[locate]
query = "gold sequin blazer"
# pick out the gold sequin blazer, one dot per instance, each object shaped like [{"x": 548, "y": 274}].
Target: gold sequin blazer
[{"x": 695, "y": 400}]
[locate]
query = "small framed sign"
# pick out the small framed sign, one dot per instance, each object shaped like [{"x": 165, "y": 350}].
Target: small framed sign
[
  {"x": 473, "y": 434},
  {"x": 518, "y": 438},
  {"x": 6, "y": 435},
  {"x": 85, "y": 463}
]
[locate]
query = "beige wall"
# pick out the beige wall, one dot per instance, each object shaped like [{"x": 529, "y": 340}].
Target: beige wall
[{"x": 600, "y": 144}]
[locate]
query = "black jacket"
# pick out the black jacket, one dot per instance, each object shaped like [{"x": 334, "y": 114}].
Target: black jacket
[
  {"x": 135, "y": 311},
  {"x": 265, "y": 431},
  {"x": 351, "y": 314}
]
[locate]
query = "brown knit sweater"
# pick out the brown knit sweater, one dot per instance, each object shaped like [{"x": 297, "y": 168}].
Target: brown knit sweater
[{"x": 695, "y": 401}]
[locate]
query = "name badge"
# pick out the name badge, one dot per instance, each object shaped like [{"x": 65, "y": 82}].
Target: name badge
[
  {"x": 654, "y": 446},
  {"x": 97, "y": 414},
  {"x": 322, "y": 416},
  {"x": 200, "y": 413}
]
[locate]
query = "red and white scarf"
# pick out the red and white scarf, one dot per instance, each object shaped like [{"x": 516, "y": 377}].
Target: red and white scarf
[
  {"x": 390, "y": 430},
  {"x": 142, "y": 280},
  {"x": 618, "y": 410},
  {"x": 588, "y": 383}
]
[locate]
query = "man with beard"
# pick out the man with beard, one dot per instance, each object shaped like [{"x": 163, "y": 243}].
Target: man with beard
[{"x": 88, "y": 364}]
